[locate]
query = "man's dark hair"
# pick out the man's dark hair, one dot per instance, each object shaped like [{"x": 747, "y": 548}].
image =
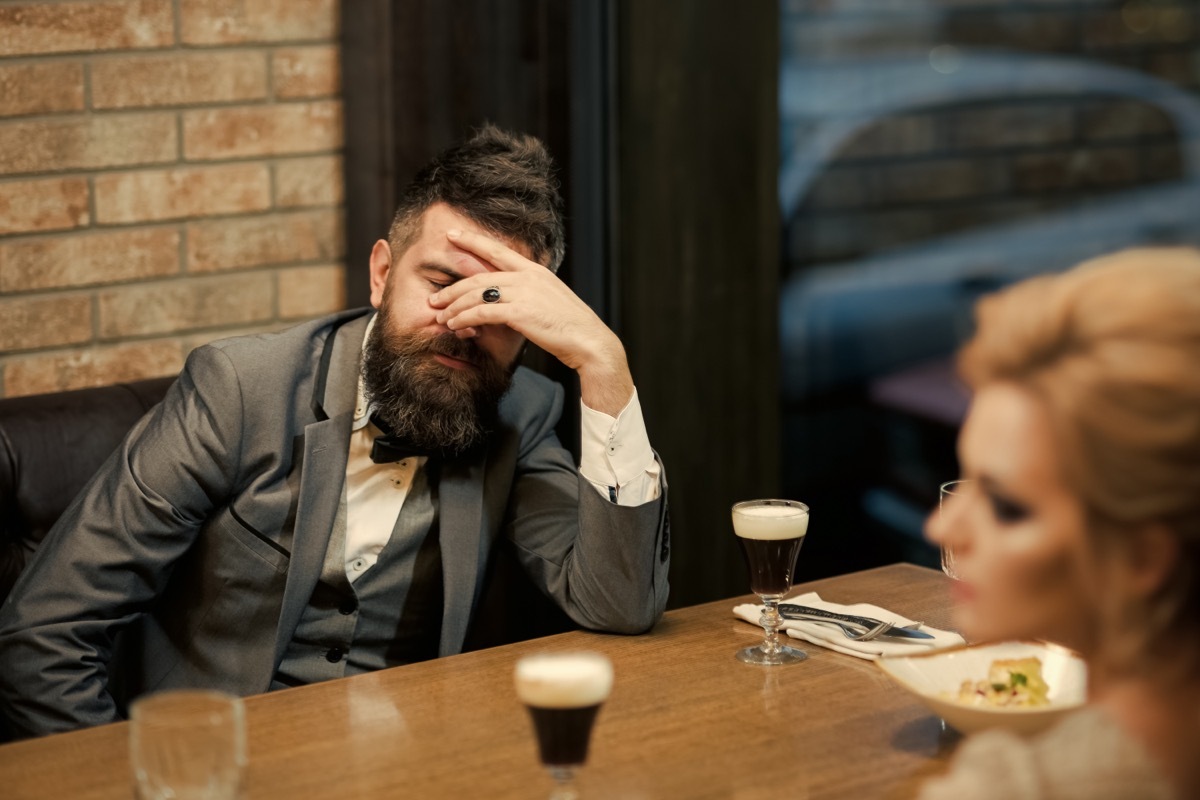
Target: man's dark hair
[{"x": 503, "y": 181}]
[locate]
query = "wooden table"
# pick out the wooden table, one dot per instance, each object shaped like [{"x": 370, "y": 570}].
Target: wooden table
[{"x": 685, "y": 720}]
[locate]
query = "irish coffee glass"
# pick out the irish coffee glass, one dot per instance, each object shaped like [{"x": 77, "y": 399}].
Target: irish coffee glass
[
  {"x": 563, "y": 692},
  {"x": 770, "y": 533}
]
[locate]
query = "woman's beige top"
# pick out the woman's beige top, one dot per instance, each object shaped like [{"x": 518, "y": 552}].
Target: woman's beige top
[{"x": 1085, "y": 757}]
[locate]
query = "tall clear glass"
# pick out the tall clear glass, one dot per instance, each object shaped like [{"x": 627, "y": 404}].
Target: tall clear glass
[
  {"x": 770, "y": 533},
  {"x": 563, "y": 692},
  {"x": 946, "y": 492},
  {"x": 187, "y": 745}
]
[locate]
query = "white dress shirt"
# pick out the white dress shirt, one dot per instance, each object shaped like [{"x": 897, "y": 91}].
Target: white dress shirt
[{"x": 615, "y": 457}]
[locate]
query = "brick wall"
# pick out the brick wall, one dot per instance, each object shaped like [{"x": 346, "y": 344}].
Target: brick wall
[
  {"x": 170, "y": 174},
  {"x": 936, "y": 170}
]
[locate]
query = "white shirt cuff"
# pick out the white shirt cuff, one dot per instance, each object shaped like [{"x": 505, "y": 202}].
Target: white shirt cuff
[{"x": 615, "y": 454}]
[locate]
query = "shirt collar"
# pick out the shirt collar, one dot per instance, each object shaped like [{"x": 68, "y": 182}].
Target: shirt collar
[{"x": 362, "y": 410}]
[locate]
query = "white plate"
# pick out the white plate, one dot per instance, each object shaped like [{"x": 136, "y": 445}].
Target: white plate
[{"x": 936, "y": 676}]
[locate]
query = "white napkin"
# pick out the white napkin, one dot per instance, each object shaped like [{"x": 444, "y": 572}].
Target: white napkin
[{"x": 831, "y": 636}]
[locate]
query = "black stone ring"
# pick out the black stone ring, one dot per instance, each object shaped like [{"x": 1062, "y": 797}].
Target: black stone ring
[{"x": 491, "y": 294}]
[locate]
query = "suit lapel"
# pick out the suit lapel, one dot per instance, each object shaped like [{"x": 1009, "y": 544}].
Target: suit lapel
[
  {"x": 322, "y": 471},
  {"x": 323, "y": 476},
  {"x": 464, "y": 546}
]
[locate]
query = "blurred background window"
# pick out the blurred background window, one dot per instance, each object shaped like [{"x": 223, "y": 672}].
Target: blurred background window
[{"x": 931, "y": 151}]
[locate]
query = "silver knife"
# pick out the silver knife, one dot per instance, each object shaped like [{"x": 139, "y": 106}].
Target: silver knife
[
  {"x": 906, "y": 633},
  {"x": 793, "y": 611}
]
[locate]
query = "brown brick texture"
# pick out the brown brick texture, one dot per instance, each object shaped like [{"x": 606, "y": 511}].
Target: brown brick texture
[
  {"x": 170, "y": 174},
  {"x": 930, "y": 169}
]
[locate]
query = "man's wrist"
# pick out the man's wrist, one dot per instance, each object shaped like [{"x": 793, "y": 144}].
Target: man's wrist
[
  {"x": 606, "y": 394},
  {"x": 605, "y": 383}
]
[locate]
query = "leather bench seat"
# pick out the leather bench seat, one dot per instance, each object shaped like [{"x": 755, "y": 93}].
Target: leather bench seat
[{"x": 50, "y": 445}]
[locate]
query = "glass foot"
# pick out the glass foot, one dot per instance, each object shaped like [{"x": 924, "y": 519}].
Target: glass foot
[{"x": 784, "y": 655}]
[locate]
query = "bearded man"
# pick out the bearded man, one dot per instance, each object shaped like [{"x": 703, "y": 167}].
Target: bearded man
[{"x": 329, "y": 499}]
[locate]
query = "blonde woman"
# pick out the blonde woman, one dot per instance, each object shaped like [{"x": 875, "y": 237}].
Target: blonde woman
[{"x": 1082, "y": 523}]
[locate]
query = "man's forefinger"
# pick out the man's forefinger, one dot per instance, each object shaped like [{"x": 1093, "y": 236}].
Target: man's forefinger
[{"x": 493, "y": 251}]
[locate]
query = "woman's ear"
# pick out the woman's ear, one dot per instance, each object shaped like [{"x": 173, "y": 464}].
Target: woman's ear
[{"x": 1148, "y": 559}]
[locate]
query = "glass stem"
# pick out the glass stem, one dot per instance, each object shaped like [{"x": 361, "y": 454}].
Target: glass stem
[
  {"x": 564, "y": 783},
  {"x": 770, "y": 621}
]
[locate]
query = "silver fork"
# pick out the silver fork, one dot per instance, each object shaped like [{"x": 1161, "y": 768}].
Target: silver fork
[
  {"x": 866, "y": 635},
  {"x": 859, "y": 633}
]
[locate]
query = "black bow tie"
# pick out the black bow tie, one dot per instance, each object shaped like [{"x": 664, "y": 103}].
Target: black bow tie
[{"x": 390, "y": 448}]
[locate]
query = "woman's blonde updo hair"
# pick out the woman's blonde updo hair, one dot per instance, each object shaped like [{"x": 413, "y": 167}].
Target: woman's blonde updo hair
[{"x": 1112, "y": 349}]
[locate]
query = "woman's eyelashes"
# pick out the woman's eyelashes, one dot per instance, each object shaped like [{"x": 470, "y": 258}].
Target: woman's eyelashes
[{"x": 1006, "y": 511}]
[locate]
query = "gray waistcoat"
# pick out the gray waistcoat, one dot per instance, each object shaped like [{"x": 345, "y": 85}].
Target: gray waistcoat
[{"x": 391, "y": 615}]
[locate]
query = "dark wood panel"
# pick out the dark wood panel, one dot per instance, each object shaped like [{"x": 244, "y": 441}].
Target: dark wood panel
[
  {"x": 369, "y": 161},
  {"x": 419, "y": 75},
  {"x": 699, "y": 255},
  {"x": 663, "y": 118}
]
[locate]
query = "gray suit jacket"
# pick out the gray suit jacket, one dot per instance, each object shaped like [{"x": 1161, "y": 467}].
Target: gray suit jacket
[{"x": 200, "y": 540}]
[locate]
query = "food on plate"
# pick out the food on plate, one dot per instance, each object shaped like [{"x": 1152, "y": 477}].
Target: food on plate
[{"x": 1011, "y": 683}]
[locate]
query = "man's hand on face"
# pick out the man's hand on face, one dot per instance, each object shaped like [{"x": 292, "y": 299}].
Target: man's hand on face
[{"x": 539, "y": 306}]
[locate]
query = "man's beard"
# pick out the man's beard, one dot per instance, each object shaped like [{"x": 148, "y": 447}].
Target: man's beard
[{"x": 432, "y": 406}]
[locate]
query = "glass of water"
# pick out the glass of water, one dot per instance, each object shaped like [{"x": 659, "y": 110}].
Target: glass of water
[
  {"x": 187, "y": 745},
  {"x": 946, "y": 493}
]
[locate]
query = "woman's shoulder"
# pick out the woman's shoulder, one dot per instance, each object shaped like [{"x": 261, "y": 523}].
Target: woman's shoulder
[{"x": 1087, "y": 755}]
